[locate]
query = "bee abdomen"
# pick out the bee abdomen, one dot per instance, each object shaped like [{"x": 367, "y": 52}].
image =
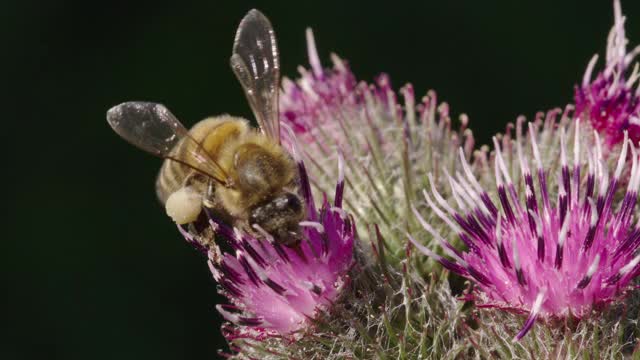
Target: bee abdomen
[{"x": 213, "y": 134}]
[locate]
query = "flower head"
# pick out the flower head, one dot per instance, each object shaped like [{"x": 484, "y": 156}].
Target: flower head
[
  {"x": 275, "y": 289},
  {"x": 611, "y": 101},
  {"x": 547, "y": 255},
  {"x": 389, "y": 144},
  {"x": 305, "y": 102}
]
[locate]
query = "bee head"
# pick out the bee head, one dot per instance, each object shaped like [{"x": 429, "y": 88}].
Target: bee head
[{"x": 280, "y": 216}]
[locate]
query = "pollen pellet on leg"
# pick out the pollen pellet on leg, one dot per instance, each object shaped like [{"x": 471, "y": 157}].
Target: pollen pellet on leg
[{"x": 184, "y": 205}]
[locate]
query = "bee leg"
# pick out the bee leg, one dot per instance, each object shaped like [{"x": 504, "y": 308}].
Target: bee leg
[
  {"x": 213, "y": 215},
  {"x": 201, "y": 226},
  {"x": 202, "y": 236}
]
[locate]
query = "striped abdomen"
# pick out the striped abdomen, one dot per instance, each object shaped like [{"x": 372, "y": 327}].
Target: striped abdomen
[{"x": 213, "y": 134}]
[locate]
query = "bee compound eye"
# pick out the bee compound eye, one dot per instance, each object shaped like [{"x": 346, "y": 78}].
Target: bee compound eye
[
  {"x": 293, "y": 202},
  {"x": 184, "y": 205},
  {"x": 287, "y": 201}
]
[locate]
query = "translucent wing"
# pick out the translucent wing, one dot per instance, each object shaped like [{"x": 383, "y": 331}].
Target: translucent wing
[
  {"x": 153, "y": 128},
  {"x": 255, "y": 63}
]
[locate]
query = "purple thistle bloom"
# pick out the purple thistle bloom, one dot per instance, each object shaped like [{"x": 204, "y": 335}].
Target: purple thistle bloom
[
  {"x": 304, "y": 102},
  {"x": 390, "y": 141},
  {"x": 546, "y": 255},
  {"x": 329, "y": 106},
  {"x": 611, "y": 101},
  {"x": 274, "y": 289}
]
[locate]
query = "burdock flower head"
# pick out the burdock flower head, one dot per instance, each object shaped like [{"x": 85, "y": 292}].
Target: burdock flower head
[
  {"x": 611, "y": 100},
  {"x": 532, "y": 251},
  {"x": 389, "y": 144},
  {"x": 276, "y": 290}
]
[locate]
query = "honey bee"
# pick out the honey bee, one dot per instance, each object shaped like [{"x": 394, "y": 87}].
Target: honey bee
[{"x": 238, "y": 172}]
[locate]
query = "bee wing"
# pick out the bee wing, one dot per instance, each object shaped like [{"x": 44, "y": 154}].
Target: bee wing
[
  {"x": 154, "y": 129},
  {"x": 255, "y": 62}
]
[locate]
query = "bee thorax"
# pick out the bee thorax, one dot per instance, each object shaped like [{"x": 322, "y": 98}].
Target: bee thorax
[{"x": 258, "y": 169}]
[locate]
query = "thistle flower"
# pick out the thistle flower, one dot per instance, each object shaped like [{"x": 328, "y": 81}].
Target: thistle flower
[
  {"x": 548, "y": 257},
  {"x": 275, "y": 290},
  {"x": 611, "y": 101},
  {"x": 389, "y": 145},
  {"x": 303, "y": 103}
]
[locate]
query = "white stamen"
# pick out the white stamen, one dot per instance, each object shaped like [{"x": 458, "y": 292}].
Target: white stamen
[
  {"x": 563, "y": 231},
  {"x": 340, "y": 211},
  {"x": 538, "y": 222},
  {"x": 563, "y": 145},
  {"x": 307, "y": 88},
  {"x": 217, "y": 276},
  {"x": 604, "y": 177},
  {"x": 340, "y": 167},
  {"x": 337, "y": 62},
  {"x": 587, "y": 74},
  {"x": 619, "y": 25},
  {"x": 312, "y": 224},
  {"x": 440, "y": 214},
  {"x": 472, "y": 194},
  {"x": 634, "y": 74},
  {"x": 629, "y": 58},
  {"x": 312, "y": 53},
  {"x": 561, "y": 190},
  {"x": 623, "y": 156},
  {"x": 467, "y": 170},
  {"x": 534, "y": 146},
  {"x": 633, "y": 172},
  {"x": 527, "y": 192},
  {"x": 500, "y": 162},
  {"x": 516, "y": 255},
  {"x": 590, "y": 163},
  {"x": 428, "y": 252},
  {"x": 237, "y": 233},
  {"x": 186, "y": 234},
  {"x": 295, "y": 147},
  {"x": 625, "y": 269},
  {"x": 594, "y": 266},
  {"x": 635, "y": 169},
  {"x": 611, "y": 46},
  {"x": 598, "y": 153},
  {"x": 535, "y": 309},
  {"x": 231, "y": 317},
  {"x": 439, "y": 197},
  {"x": 496, "y": 169},
  {"x": 425, "y": 250},
  {"x": 576, "y": 146},
  {"x": 524, "y": 165},
  {"x": 264, "y": 233},
  {"x": 430, "y": 229},
  {"x": 455, "y": 191}
]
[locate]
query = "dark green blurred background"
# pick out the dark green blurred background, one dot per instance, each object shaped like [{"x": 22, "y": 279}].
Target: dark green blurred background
[{"x": 93, "y": 268}]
